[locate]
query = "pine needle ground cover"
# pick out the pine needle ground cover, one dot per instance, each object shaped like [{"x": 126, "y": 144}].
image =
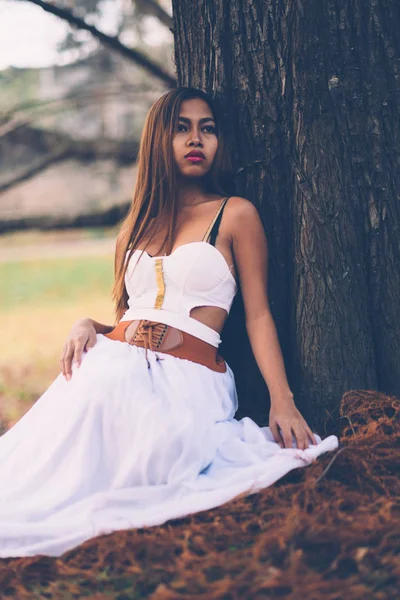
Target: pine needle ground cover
[{"x": 329, "y": 531}]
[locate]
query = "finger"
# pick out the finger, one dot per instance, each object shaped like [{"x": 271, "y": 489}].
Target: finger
[
  {"x": 61, "y": 361},
  {"x": 78, "y": 354},
  {"x": 303, "y": 443},
  {"x": 68, "y": 361},
  {"x": 275, "y": 432},
  {"x": 303, "y": 439},
  {"x": 91, "y": 341},
  {"x": 311, "y": 436},
  {"x": 301, "y": 436},
  {"x": 286, "y": 433},
  {"x": 298, "y": 437}
]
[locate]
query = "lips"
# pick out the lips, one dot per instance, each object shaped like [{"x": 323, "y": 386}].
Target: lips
[
  {"x": 194, "y": 159},
  {"x": 195, "y": 154}
]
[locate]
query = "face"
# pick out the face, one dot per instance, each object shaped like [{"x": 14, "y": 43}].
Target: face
[{"x": 195, "y": 132}]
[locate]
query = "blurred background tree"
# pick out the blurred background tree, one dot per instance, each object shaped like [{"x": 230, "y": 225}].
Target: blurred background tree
[{"x": 81, "y": 120}]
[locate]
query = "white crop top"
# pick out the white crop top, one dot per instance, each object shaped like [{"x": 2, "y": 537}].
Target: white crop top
[{"x": 167, "y": 288}]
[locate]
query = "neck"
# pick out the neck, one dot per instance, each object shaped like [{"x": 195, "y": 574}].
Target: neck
[{"x": 190, "y": 192}]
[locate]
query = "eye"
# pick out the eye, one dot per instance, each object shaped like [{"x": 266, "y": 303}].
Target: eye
[{"x": 208, "y": 128}]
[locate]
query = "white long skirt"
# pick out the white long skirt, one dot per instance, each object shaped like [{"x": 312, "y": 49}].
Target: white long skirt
[{"x": 121, "y": 446}]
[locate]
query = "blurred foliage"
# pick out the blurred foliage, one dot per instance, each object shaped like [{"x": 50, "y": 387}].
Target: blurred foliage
[
  {"x": 18, "y": 86},
  {"x": 130, "y": 17},
  {"x": 90, "y": 10}
]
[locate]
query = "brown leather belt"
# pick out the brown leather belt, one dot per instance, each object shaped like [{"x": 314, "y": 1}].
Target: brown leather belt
[{"x": 168, "y": 340}]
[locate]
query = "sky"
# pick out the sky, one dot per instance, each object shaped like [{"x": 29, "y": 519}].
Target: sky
[{"x": 29, "y": 35}]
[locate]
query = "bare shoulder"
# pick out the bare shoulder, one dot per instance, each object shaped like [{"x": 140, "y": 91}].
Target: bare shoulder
[{"x": 241, "y": 211}]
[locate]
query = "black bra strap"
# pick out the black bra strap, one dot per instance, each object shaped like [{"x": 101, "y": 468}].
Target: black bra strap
[{"x": 215, "y": 228}]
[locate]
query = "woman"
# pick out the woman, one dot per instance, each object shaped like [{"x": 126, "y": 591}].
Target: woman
[{"x": 139, "y": 428}]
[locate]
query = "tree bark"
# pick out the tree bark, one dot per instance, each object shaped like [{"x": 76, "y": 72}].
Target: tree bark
[{"x": 311, "y": 92}]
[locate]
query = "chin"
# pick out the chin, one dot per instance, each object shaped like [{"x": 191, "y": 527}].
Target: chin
[
  {"x": 193, "y": 176},
  {"x": 193, "y": 172}
]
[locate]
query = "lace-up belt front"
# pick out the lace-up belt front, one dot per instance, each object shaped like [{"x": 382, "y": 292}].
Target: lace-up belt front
[{"x": 165, "y": 339}]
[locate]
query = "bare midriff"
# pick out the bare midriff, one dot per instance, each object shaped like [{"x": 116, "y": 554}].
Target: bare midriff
[{"x": 213, "y": 316}]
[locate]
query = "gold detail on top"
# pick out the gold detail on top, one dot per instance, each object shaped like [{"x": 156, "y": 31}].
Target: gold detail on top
[{"x": 160, "y": 283}]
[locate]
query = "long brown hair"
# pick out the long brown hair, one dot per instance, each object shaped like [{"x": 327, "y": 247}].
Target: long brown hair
[{"x": 154, "y": 195}]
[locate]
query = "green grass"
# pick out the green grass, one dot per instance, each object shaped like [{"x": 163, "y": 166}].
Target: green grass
[
  {"x": 34, "y": 237},
  {"x": 51, "y": 281},
  {"x": 39, "y": 302}
]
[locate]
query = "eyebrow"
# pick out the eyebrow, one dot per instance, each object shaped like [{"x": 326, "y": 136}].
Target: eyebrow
[{"x": 203, "y": 120}]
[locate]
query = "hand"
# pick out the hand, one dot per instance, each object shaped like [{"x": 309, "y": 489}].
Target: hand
[
  {"x": 284, "y": 414},
  {"x": 81, "y": 337}
]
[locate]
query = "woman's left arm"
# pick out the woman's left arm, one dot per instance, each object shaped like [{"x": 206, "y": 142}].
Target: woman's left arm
[{"x": 250, "y": 251}]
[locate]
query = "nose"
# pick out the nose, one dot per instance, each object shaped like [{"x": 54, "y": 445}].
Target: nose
[{"x": 195, "y": 139}]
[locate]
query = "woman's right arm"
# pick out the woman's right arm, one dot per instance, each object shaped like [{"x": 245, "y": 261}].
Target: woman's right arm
[
  {"x": 82, "y": 337},
  {"x": 83, "y": 334}
]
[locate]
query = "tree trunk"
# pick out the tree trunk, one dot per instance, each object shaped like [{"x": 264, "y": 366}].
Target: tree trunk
[{"x": 311, "y": 92}]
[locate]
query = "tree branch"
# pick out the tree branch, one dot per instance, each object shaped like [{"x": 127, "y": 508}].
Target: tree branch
[
  {"x": 56, "y": 146},
  {"x": 112, "y": 42},
  {"x": 153, "y": 8},
  {"x": 37, "y": 166},
  {"x": 102, "y": 218}
]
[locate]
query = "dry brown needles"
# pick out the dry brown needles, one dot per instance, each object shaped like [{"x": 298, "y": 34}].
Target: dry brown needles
[{"x": 330, "y": 531}]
